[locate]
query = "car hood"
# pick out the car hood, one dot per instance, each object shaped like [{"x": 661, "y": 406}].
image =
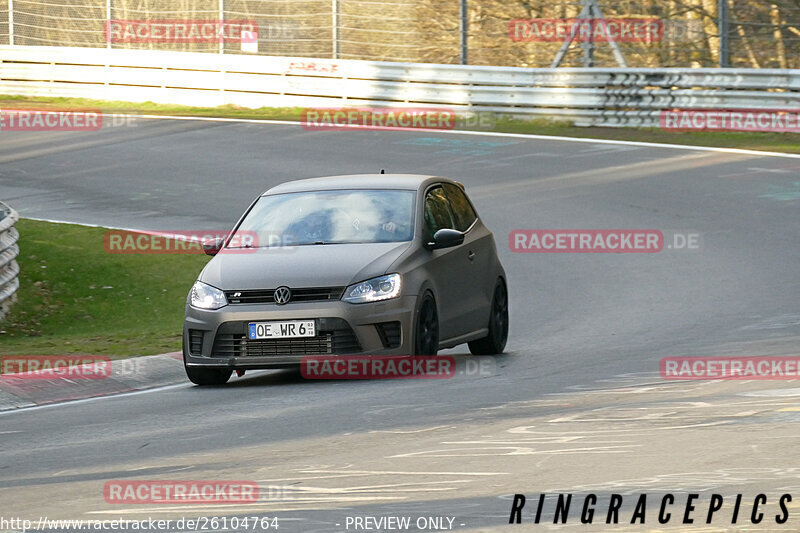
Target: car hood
[{"x": 328, "y": 265}]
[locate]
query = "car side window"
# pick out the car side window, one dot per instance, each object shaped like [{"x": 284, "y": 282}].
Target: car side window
[
  {"x": 464, "y": 213},
  {"x": 438, "y": 214}
]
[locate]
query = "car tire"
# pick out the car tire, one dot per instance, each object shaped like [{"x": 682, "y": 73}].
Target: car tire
[
  {"x": 495, "y": 341},
  {"x": 426, "y": 327},
  {"x": 207, "y": 376}
]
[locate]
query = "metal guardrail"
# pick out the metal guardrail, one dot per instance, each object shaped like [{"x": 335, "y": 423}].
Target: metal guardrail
[
  {"x": 589, "y": 96},
  {"x": 9, "y": 250}
]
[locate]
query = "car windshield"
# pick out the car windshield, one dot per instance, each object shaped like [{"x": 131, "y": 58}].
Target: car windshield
[{"x": 330, "y": 217}]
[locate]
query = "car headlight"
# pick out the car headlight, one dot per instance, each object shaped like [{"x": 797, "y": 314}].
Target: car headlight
[
  {"x": 373, "y": 290},
  {"x": 205, "y": 296}
]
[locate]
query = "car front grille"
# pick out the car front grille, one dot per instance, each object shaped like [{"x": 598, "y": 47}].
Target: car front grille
[
  {"x": 266, "y": 296},
  {"x": 334, "y": 336}
]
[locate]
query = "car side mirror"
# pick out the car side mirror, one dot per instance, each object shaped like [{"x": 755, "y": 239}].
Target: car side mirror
[
  {"x": 445, "y": 238},
  {"x": 213, "y": 246}
]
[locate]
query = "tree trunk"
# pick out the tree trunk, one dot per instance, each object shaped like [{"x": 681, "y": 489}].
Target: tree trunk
[{"x": 775, "y": 15}]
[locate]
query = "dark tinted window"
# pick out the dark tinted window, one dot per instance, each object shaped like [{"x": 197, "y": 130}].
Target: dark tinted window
[
  {"x": 462, "y": 209},
  {"x": 438, "y": 214}
]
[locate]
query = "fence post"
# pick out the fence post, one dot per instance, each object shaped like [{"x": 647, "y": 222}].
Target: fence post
[
  {"x": 723, "y": 30},
  {"x": 464, "y": 30},
  {"x": 221, "y": 29},
  {"x": 11, "y": 22},
  {"x": 335, "y": 23},
  {"x": 588, "y": 46},
  {"x": 108, "y": 24}
]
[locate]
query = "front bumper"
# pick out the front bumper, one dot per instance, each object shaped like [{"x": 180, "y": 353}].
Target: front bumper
[{"x": 218, "y": 338}]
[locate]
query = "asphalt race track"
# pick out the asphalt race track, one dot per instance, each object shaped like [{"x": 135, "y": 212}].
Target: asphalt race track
[{"x": 576, "y": 405}]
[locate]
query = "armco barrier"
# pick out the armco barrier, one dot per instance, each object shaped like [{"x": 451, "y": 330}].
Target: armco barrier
[
  {"x": 9, "y": 270},
  {"x": 589, "y": 96}
]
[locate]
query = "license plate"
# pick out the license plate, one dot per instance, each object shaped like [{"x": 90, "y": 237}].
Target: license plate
[{"x": 281, "y": 330}]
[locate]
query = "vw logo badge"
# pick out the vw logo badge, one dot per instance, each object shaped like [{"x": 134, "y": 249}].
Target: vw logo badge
[{"x": 282, "y": 295}]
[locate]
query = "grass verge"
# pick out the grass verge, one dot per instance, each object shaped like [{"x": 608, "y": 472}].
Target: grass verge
[
  {"x": 774, "y": 142},
  {"x": 75, "y": 298}
]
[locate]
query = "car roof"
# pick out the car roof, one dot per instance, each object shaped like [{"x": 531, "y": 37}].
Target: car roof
[{"x": 358, "y": 181}]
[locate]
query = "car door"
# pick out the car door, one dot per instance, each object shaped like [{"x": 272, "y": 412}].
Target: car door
[
  {"x": 478, "y": 247},
  {"x": 449, "y": 267}
]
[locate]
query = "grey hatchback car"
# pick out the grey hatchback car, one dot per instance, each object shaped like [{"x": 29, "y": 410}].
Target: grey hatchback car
[{"x": 376, "y": 264}]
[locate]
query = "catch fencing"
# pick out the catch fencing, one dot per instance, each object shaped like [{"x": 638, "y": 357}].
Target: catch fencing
[{"x": 692, "y": 33}]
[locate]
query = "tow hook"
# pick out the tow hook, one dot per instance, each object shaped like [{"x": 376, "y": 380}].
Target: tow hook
[{"x": 240, "y": 373}]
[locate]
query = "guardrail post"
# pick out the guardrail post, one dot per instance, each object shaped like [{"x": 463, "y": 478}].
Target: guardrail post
[
  {"x": 464, "y": 30},
  {"x": 723, "y": 30}
]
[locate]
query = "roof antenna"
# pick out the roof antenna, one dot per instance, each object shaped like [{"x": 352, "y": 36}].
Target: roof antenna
[{"x": 383, "y": 171}]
